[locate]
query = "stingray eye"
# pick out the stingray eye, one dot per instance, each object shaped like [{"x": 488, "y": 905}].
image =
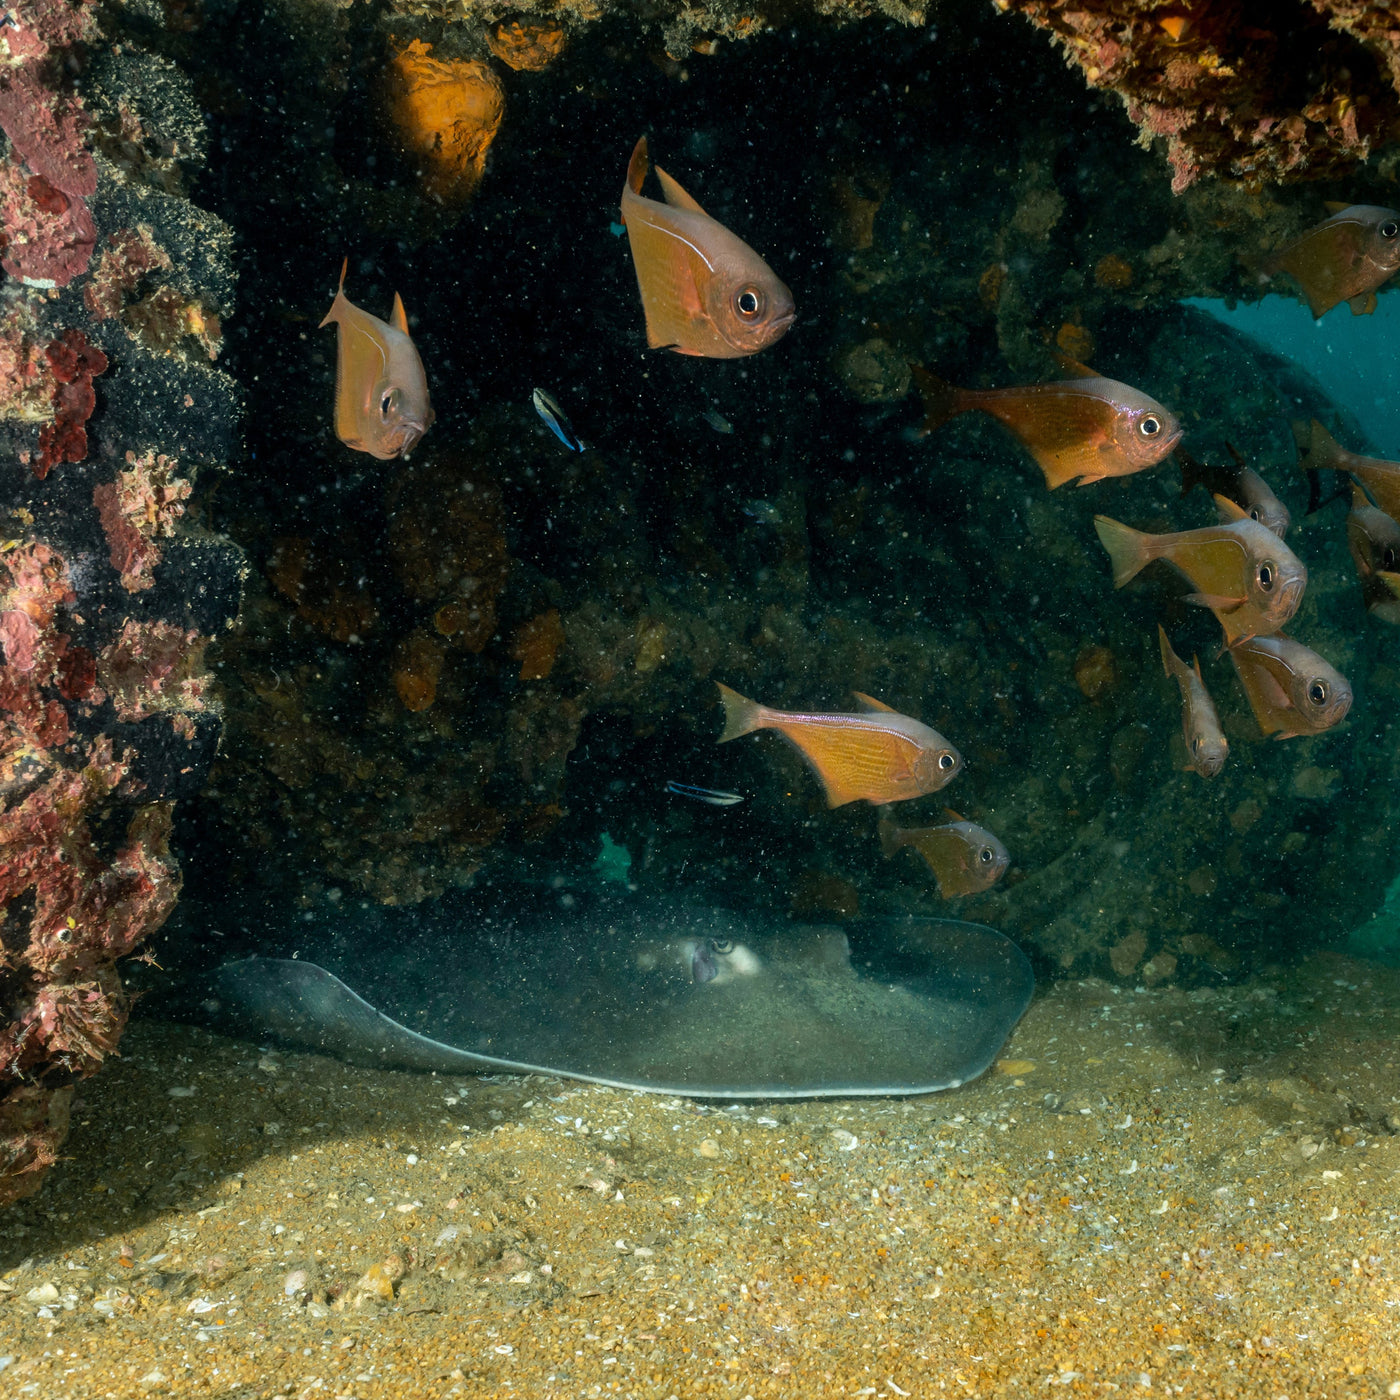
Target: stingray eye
[
  {"x": 946, "y": 760},
  {"x": 749, "y": 303},
  {"x": 1150, "y": 426},
  {"x": 1266, "y": 575},
  {"x": 1318, "y": 691},
  {"x": 722, "y": 945},
  {"x": 985, "y": 855},
  {"x": 1389, "y": 229}
]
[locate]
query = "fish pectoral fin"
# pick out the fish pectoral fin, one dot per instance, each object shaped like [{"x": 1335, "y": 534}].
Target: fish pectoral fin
[
  {"x": 675, "y": 195},
  {"x": 1217, "y": 602},
  {"x": 1363, "y": 305},
  {"x": 870, "y": 703},
  {"x": 398, "y": 317}
]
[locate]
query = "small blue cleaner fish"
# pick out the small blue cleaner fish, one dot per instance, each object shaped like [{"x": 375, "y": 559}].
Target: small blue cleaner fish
[
  {"x": 556, "y": 420},
  {"x": 765, "y": 512},
  {"x": 717, "y": 421},
  {"x": 706, "y": 795}
]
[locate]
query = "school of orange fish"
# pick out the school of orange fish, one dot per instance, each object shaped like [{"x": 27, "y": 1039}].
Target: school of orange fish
[{"x": 705, "y": 292}]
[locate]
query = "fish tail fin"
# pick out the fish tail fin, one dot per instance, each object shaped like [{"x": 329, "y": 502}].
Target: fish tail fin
[
  {"x": 1318, "y": 447},
  {"x": 638, "y": 166},
  {"x": 888, "y": 832},
  {"x": 741, "y": 716},
  {"x": 1192, "y": 471},
  {"x": 332, "y": 314},
  {"x": 941, "y": 400},
  {"x": 1128, "y": 549}
]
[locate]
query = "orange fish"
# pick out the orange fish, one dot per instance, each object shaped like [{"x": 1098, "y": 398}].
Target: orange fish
[
  {"x": 1345, "y": 258},
  {"x": 1374, "y": 541},
  {"x": 1242, "y": 571},
  {"x": 1291, "y": 689},
  {"x": 1322, "y": 452},
  {"x": 880, "y": 756},
  {"x": 704, "y": 291},
  {"x": 965, "y": 858},
  {"x": 381, "y": 392},
  {"x": 1240, "y": 484},
  {"x": 1086, "y": 428},
  {"x": 1206, "y": 745}
]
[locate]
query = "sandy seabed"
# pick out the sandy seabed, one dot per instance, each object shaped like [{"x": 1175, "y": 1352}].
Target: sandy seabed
[{"x": 1155, "y": 1191}]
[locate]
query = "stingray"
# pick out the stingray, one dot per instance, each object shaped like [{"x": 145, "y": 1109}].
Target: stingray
[{"x": 649, "y": 995}]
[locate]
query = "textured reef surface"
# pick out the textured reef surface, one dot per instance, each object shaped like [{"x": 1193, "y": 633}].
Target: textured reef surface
[
  {"x": 489, "y": 660},
  {"x": 109, "y": 589}
]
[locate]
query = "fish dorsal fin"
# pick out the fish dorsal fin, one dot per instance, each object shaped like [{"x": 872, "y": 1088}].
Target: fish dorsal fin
[
  {"x": 1335, "y": 206},
  {"x": 332, "y": 314},
  {"x": 637, "y": 167},
  {"x": 1196, "y": 667},
  {"x": 870, "y": 703},
  {"x": 1236, "y": 454},
  {"x": 952, "y": 815},
  {"x": 1074, "y": 368},
  {"x": 398, "y": 317},
  {"x": 675, "y": 196},
  {"x": 1229, "y": 510},
  {"x": 1359, "y": 499}
]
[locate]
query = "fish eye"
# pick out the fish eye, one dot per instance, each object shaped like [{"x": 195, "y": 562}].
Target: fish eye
[
  {"x": 1318, "y": 691},
  {"x": 1196, "y": 744},
  {"x": 1388, "y": 559},
  {"x": 1389, "y": 229},
  {"x": 945, "y": 760},
  {"x": 985, "y": 855},
  {"x": 749, "y": 303},
  {"x": 1150, "y": 426},
  {"x": 387, "y": 400},
  {"x": 722, "y": 945},
  {"x": 1254, "y": 513},
  {"x": 1266, "y": 575}
]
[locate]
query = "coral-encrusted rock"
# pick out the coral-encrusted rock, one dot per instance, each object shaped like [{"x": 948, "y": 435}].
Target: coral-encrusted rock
[
  {"x": 1253, "y": 96},
  {"x": 108, "y": 407}
]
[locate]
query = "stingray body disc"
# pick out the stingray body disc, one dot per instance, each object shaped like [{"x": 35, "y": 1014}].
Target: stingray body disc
[{"x": 689, "y": 1000}]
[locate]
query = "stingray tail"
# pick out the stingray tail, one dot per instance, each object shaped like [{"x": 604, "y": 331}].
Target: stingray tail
[
  {"x": 741, "y": 716},
  {"x": 1129, "y": 550}
]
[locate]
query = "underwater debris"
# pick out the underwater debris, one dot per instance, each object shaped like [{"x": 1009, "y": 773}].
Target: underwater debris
[
  {"x": 527, "y": 45},
  {"x": 444, "y": 115}
]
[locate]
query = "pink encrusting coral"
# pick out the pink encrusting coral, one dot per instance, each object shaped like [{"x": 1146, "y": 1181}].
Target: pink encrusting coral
[
  {"x": 72, "y": 910},
  {"x": 74, "y": 364},
  {"x": 139, "y": 507},
  {"x": 48, "y": 232}
]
